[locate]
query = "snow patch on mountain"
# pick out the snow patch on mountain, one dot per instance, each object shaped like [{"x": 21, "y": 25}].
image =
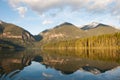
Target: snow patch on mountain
[{"x": 90, "y": 26}]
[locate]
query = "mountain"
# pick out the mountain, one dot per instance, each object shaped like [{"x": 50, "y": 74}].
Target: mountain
[
  {"x": 68, "y": 31},
  {"x": 15, "y": 34},
  {"x": 94, "y": 25},
  {"x": 63, "y": 31},
  {"x": 95, "y": 28},
  {"x": 90, "y": 26}
]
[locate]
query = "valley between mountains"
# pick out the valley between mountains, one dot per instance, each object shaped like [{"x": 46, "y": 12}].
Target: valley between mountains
[{"x": 62, "y": 36}]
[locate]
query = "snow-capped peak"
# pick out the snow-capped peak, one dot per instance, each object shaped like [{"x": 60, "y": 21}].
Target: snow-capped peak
[
  {"x": 90, "y": 26},
  {"x": 93, "y": 24}
]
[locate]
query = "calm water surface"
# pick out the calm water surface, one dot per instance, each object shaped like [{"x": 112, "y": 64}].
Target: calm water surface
[{"x": 60, "y": 65}]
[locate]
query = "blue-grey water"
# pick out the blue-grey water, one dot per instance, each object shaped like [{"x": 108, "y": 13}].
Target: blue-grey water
[{"x": 60, "y": 65}]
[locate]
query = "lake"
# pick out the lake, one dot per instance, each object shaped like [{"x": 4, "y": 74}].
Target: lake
[{"x": 34, "y": 64}]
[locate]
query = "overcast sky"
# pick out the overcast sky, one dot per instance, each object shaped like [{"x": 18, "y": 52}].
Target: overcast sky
[{"x": 38, "y": 15}]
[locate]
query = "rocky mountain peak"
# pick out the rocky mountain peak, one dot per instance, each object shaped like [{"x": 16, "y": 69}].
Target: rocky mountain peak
[{"x": 66, "y": 23}]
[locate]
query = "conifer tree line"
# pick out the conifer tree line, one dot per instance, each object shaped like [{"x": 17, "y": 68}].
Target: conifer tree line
[{"x": 95, "y": 42}]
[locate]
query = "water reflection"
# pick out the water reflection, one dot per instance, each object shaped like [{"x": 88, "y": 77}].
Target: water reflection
[
  {"x": 60, "y": 65},
  {"x": 38, "y": 71}
]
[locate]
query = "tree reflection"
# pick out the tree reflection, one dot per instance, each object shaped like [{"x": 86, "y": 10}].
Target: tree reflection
[{"x": 67, "y": 62}]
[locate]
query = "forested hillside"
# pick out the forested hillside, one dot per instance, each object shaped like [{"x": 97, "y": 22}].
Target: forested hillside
[
  {"x": 95, "y": 42},
  {"x": 13, "y": 36}
]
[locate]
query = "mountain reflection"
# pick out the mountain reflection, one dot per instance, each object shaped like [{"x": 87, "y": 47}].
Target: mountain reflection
[
  {"x": 60, "y": 65},
  {"x": 38, "y": 71}
]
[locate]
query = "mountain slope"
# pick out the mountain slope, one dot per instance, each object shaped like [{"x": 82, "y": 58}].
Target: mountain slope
[
  {"x": 64, "y": 31},
  {"x": 15, "y": 34},
  {"x": 102, "y": 30},
  {"x": 9, "y": 45},
  {"x": 94, "y": 29}
]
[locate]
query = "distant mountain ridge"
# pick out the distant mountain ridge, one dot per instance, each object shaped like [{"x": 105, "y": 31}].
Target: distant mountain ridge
[
  {"x": 67, "y": 31},
  {"x": 93, "y": 25},
  {"x": 95, "y": 29}
]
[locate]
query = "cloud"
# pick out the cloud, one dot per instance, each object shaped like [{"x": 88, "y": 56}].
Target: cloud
[
  {"x": 22, "y": 11},
  {"x": 47, "y": 22},
  {"x": 43, "y": 6}
]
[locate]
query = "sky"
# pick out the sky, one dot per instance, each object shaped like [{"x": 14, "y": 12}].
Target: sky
[{"x": 38, "y": 15}]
